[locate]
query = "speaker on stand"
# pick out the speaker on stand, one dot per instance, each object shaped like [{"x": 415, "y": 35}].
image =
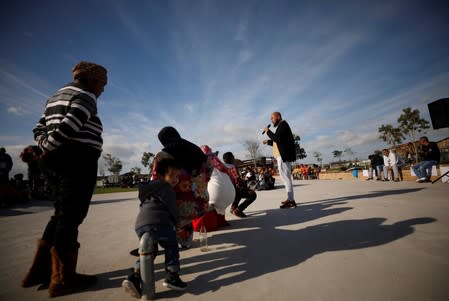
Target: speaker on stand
[{"x": 439, "y": 115}]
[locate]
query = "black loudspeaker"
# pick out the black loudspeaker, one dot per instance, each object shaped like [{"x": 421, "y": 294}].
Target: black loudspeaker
[{"x": 439, "y": 113}]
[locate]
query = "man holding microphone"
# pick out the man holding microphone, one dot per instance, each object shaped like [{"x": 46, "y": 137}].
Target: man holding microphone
[{"x": 285, "y": 152}]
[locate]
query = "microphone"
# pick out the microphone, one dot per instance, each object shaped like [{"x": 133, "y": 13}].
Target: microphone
[{"x": 268, "y": 126}]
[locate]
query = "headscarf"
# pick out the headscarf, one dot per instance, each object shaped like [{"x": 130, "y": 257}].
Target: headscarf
[
  {"x": 189, "y": 156},
  {"x": 89, "y": 71},
  {"x": 168, "y": 135},
  {"x": 213, "y": 159}
]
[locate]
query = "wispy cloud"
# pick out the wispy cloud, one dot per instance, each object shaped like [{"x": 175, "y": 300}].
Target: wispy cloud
[
  {"x": 216, "y": 71},
  {"x": 237, "y": 98},
  {"x": 245, "y": 55},
  {"x": 189, "y": 107},
  {"x": 21, "y": 92},
  {"x": 241, "y": 34},
  {"x": 17, "y": 111}
]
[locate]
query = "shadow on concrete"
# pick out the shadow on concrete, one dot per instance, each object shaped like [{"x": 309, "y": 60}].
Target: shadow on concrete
[
  {"x": 282, "y": 186},
  {"x": 370, "y": 195},
  {"x": 27, "y": 207},
  {"x": 111, "y": 279},
  {"x": 301, "y": 214},
  {"x": 12, "y": 212},
  {"x": 250, "y": 257},
  {"x": 114, "y": 279},
  {"x": 101, "y": 202},
  {"x": 42, "y": 205},
  {"x": 262, "y": 244}
]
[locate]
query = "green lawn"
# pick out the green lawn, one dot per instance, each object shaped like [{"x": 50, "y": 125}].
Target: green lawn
[{"x": 99, "y": 190}]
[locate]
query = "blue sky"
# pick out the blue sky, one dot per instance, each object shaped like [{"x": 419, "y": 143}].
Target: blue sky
[{"x": 216, "y": 70}]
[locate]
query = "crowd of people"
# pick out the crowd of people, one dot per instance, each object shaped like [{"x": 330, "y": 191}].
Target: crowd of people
[
  {"x": 17, "y": 189},
  {"x": 262, "y": 178},
  {"x": 11, "y": 189},
  {"x": 190, "y": 186},
  {"x": 306, "y": 172}
]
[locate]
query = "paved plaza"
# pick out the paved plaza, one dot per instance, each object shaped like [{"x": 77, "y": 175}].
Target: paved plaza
[{"x": 347, "y": 240}]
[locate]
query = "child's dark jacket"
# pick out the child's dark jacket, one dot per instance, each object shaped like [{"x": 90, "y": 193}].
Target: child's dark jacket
[{"x": 157, "y": 204}]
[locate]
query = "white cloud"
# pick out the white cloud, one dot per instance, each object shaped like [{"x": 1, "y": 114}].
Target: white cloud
[
  {"x": 239, "y": 72},
  {"x": 22, "y": 92},
  {"x": 129, "y": 153},
  {"x": 189, "y": 107},
  {"x": 244, "y": 56},
  {"x": 241, "y": 34},
  {"x": 17, "y": 111}
]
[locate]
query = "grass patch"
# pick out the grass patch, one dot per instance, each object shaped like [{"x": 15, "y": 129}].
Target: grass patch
[{"x": 100, "y": 190}]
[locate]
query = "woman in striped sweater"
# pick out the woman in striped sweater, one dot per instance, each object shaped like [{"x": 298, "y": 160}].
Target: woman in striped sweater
[{"x": 69, "y": 134}]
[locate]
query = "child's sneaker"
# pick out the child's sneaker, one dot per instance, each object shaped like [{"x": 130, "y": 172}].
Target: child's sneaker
[
  {"x": 132, "y": 285},
  {"x": 174, "y": 282}
]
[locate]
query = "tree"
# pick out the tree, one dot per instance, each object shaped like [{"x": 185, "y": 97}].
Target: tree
[
  {"x": 146, "y": 159},
  {"x": 349, "y": 152},
  {"x": 318, "y": 156},
  {"x": 114, "y": 164},
  {"x": 411, "y": 124},
  {"x": 338, "y": 154},
  {"x": 390, "y": 134},
  {"x": 300, "y": 152},
  {"x": 253, "y": 148},
  {"x": 136, "y": 170}
]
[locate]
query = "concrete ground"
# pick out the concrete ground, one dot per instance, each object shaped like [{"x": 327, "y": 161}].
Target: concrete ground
[{"x": 347, "y": 240}]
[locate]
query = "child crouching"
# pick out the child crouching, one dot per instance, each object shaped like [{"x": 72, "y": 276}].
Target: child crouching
[{"x": 158, "y": 216}]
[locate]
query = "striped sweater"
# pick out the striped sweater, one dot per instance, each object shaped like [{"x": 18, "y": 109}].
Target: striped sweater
[{"x": 70, "y": 116}]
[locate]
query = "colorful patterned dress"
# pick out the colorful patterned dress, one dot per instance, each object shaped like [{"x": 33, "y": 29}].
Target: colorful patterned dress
[{"x": 191, "y": 197}]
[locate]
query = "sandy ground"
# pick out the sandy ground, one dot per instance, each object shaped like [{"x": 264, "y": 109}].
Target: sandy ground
[{"x": 347, "y": 240}]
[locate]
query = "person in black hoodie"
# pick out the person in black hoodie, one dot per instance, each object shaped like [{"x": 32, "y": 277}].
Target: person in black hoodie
[
  {"x": 284, "y": 151},
  {"x": 158, "y": 216},
  {"x": 191, "y": 192},
  {"x": 376, "y": 167},
  {"x": 189, "y": 156}
]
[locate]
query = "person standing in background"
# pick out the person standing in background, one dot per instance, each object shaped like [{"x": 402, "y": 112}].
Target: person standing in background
[{"x": 5, "y": 166}]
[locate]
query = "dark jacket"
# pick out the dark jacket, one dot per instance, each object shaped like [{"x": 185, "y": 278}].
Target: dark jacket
[
  {"x": 284, "y": 140},
  {"x": 430, "y": 152},
  {"x": 5, "y": 163},
  {"x": 157, "y": 204},
  {"x": 189, "y": 156},
  {"x": 377, "y": 161}
]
